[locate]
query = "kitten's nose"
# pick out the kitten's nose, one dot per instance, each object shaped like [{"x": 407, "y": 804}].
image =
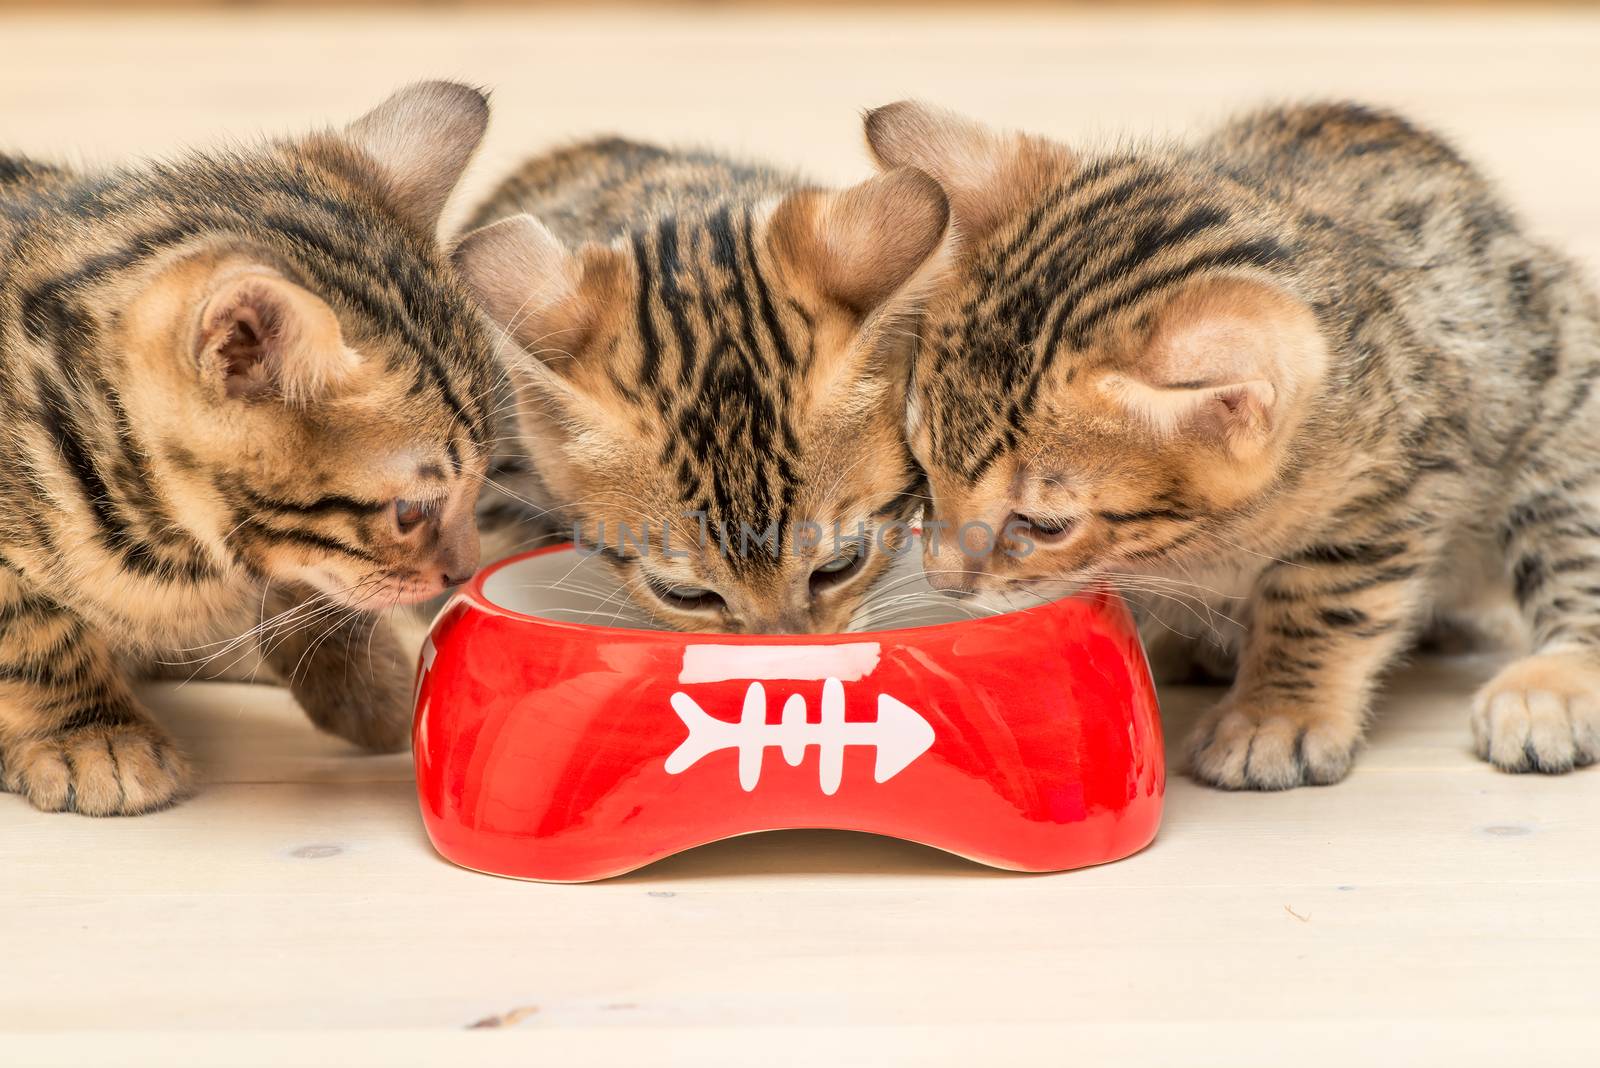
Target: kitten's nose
[
  {"x": 949, "y": 570},
  {"x": 785, "y": 622},
  {"x": 958, "y": 582},
  {"x": 458, "y": 552}
]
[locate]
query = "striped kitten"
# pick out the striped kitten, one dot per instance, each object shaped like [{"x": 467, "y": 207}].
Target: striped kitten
[
  {"x": 1310, "y": 372},
  {"x": 230, "y": 384},
  {"x": 714, "y": 350}
]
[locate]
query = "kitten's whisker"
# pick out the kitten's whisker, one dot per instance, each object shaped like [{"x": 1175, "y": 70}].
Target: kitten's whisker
[
  {"x": 1183, "y": 601},
  {"x": 1170, "y": 628},
  {"x": 1214, "y": 535},
  {"x": 209, "y": 651},
  {"x": 1154, "y": 577}
]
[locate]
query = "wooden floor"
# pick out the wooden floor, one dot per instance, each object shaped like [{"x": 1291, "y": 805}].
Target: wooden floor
[{"x": 1428, "y": 910}]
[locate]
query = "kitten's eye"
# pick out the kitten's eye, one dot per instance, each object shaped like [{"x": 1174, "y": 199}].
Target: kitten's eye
[
  {"x": 689, "y": 598},
  {"x": 834, "y": 571},
  {"x": 408, "y": 515},
  {"x": 1043, "y": 530}
]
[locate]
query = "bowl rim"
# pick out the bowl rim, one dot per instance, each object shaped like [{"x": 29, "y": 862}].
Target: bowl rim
[{"x": 473, "y": 593}]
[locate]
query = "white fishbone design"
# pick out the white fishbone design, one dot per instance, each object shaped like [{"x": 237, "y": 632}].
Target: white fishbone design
[{"x": 900, "y": 735}]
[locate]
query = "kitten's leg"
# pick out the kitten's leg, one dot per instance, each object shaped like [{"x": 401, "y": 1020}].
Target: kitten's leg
[
  {"x": 72, "y": 737},
  {"x": 1323, "y": 627},
  {"x": 350, "y": 674},
  {"x": 1542, "y": 713}
]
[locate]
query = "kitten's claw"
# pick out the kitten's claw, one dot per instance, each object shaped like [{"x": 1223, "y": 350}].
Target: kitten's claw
[
  {"x": 1542, "y": 713},
  {"x": 126, "y": 770},
  {"x": 1240, "y": 746}
]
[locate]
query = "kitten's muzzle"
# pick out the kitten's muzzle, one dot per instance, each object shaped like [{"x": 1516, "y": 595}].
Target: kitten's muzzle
[
  {"x": 442, "y": 546},
  {"x": 458, "y": 552},
  {"x": 951, "y": 571}
]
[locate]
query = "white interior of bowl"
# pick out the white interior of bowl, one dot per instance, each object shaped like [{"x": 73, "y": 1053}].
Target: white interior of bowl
[{"x": 575, "y": 587}]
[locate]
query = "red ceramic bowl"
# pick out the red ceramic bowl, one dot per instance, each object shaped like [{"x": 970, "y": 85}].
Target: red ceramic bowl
[{"x": 551, "y": 748}]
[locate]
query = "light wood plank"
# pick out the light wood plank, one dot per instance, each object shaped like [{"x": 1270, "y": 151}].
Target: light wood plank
[
  {"x": 1517, "y": 88},
  {"x": 1470, "y": 888},
  {"x": 1159, "y": 1044}
]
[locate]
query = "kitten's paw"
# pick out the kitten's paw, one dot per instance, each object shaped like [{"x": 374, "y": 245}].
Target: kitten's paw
[
  {"x": 99, "y": 771},
  {"x": 377, "y": 718},
  {"x": 1241, "y": 745},
  {"x": 1542, "y": 713},
  {"x": 360, "y": 690}
]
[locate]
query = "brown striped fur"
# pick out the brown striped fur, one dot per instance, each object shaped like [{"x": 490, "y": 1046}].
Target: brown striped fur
[
  {"x": 700, "y": 341},
  {"x": 217, "y": 377},
  {"x": 1308, "y": 380}
]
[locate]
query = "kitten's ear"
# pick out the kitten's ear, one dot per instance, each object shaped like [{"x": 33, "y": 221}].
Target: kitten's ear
[
  {"x": 261, "y": 336},
  {"x": 421, "y": 138},
  {"x": 863, "y": 246},
  {"x": 984, "y": 172},
  {"x": 545, "y": 297},
  {"x": 1224, "y": 364},
  {"x": 1238, "y": 415}
]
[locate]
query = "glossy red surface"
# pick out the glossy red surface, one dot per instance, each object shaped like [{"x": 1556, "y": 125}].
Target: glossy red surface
[{"x": 1027, "y": 741}]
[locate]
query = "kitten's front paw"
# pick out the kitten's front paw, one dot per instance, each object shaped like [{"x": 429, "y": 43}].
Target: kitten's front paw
[
  {"x": 375, "y": 716},
  {"x": 124, "y": 770},
  {"x": 1243, "y": 745},
  {"x": 1542, "y": 713},
  {"x": 359, "y": 689}
]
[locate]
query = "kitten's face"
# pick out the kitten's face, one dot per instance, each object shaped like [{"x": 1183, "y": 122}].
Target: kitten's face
[
  {"x": 1112, "y": 372},
  {"x": 1127, "y": 458},
  {"x": 1087, "y": 492},
  {"x": 301, "y": 449},
  {"x": 306, "y": 375},
  {"x": 726, "y": 420},
  {"x": 733, "y": 533}
]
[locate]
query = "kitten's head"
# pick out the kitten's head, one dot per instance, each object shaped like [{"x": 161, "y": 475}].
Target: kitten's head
[
  {"x": 735, "y": 380},
  {"x": 1115, "y": 368},
  {"x": 303, "y": 367}
]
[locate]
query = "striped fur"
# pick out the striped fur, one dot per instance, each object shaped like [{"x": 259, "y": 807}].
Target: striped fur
[
  {"x": 217, "y": 375},
  {"x": 713, "y": 349},
  {"x": 1308, "y": 381}
]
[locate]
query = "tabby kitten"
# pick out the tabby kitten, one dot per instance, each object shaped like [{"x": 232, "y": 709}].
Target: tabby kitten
[
  {"x": 227, "y": 382},
  {"x": 1311, "y": 369},
  {"x": 711, "y": 372}
]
